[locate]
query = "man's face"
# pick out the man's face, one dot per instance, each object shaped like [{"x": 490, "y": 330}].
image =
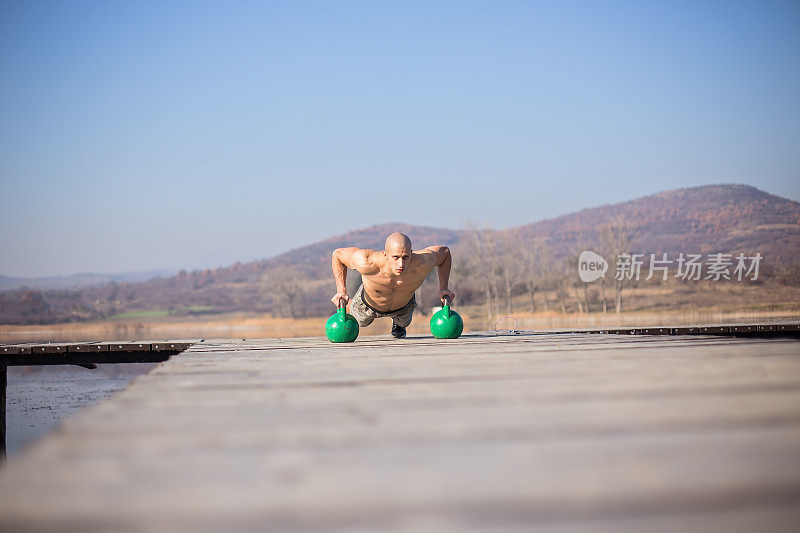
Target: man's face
[{"x": 398, "y": 259}]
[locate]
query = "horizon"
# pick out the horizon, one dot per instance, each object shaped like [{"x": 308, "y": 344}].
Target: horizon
[
  {"x": 174, "y": 271},
  {"x": 151, "y": 136}
]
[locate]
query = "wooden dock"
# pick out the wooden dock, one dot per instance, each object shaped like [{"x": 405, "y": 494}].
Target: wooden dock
[
  {"x": 516, "y": 432},
  {"x": 85, "y": 354}
]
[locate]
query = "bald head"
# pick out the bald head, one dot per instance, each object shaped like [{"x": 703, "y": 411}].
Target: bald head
[
  {"x": 397, "y": 242},
  {"x": 397, "y": 252}
]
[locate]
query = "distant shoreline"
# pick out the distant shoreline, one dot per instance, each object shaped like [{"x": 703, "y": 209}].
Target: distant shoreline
[{"x": 252, "y": 326}]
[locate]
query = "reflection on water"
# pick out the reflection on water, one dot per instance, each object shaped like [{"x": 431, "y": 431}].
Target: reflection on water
[{"x": 39, "y": 398}]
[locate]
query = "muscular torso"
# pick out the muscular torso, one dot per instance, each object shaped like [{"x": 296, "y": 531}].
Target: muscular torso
[{"x": 386, "y": 292}]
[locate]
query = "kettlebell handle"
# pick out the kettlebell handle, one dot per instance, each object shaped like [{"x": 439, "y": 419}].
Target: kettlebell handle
[
  {"x": 446, "y": 300},
  {"x": 342, "y": 304}
]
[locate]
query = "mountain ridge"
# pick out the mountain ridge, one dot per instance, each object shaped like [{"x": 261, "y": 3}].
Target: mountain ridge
[
  {"x": 706, "y": 219},
  {"x": 80, "y": 279}
]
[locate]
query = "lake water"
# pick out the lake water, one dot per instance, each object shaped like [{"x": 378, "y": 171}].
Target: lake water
[{"x": 39, "y": 398}]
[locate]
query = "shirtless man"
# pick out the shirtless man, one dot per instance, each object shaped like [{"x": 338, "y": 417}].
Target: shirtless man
[{"x": 390, "y": 278}]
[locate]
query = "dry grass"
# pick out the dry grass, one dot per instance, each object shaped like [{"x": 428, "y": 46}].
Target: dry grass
[
  {"x": 252, "y": 327},
  {"x": 229, "y": 327},
  {"x": 554, "y": 320},
  {"x": 650, "y": 305}
]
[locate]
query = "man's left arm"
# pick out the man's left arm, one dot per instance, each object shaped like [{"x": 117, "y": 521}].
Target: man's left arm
[{"x": 444, "y": 262}]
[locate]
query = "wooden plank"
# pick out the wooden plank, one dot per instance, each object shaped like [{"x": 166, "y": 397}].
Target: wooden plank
[
  {"x": 714, "y": 330},
  {"x": 87, "y": 347},
  {"x": 554, "y": 432},
  {"x": 656, "y": 331},
  {"x": 72, "y": 358},
  {"x": 94, "y": 347},
  {"x": 170, "y": 346},
  {"x": 684, "y": 330},
  {"x": 91, "y": 353},
  {"x": 15, "y": 349},
  {"x": 49, "y": 348},
  {"x": 129, "y": 346}
]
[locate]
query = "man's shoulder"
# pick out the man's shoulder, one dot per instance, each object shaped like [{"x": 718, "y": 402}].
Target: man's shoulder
[
  {"x": 431, "y": 253},
  {"x": 364, "y": 253},
  {"x": 365, "y": 258}
]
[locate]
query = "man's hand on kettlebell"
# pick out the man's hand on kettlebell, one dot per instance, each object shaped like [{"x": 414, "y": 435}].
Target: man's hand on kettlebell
[
  {"x": 450, "y": 295},
  {"x": 339, "y": 297}
]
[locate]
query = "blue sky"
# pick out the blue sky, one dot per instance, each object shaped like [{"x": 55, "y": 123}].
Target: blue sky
[{"x": 150, "y": 135}]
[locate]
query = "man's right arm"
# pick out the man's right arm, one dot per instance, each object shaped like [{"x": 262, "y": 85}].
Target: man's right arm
[{"x": 343, "y": 258}]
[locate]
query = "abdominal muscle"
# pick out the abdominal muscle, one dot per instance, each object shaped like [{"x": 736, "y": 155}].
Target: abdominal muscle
[{"x": 386, "y": 294}]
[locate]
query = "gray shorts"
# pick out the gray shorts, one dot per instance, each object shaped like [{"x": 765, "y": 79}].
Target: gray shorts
[{"x": 365, "y": 314}]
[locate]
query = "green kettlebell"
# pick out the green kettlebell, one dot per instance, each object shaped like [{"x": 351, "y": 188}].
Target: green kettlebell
[
  {"x": 446, "y": 324},
  {"x": 341, "y": 326}
]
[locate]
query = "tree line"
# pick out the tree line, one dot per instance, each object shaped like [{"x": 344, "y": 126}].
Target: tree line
[{"x": 501, "y": 271}]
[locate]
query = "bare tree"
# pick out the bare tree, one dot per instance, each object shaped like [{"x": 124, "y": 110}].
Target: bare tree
[
  {"x": 562, "y": 294},
  {"x": 288, "y": 295},
  {"x": 577, "y": 299},
  {"x": 529, "y": 261},
  {"x": 482, "y": 252},
  {"x": 581, "y": 248},
  {"x": 490, "y": 241},
  {"x": 544, "y": 266},
  {"x": 509, "y": 300},
  {"x": 604, "y": 252},
  {"x": 571, "y": 269},
  {"x": 603, "y": 294},
  {"x": 617, "y": 240},
  {"x": 511, "y": 256}
]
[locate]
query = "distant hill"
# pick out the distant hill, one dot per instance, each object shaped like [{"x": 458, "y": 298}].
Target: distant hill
[
  {"x": 709, "y": 219},
  {"x": 78, "y": 281},
  {"x": 315, "y": 259}
]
